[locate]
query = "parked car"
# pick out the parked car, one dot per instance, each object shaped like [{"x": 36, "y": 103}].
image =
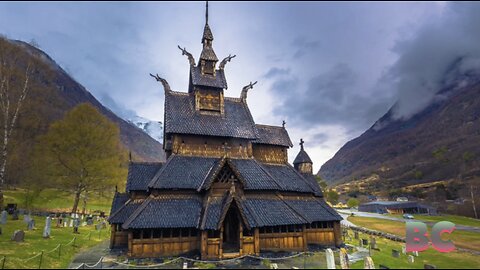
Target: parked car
[{"x": 408, "y": 216}]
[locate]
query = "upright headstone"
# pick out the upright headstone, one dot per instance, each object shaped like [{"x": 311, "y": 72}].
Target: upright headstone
[
  {"x": 76, "y": 224},
  {"x": 368, "y": 263},
  {"x": 404, "y": 250},
  {"x": 344, "y": 259},
  {"x": 395, "y": 253},
  {"x": 365, "y": 242},
  {"x": 410, "y": 259},
  {"x": 3, "y": 217},
  {"x": 15, "y": 215},
  {"x": 356, "y": 235},
  {"x": 429, "y": 266},
  {"x": 415, "y": 253},
  {"x": 48, "y": 226},
  {"x": 330, "y": 259},
  {"x": 30, "y": 223},
  {"x": 373, "y": 243},
  {"x": 18, "y": 236}
]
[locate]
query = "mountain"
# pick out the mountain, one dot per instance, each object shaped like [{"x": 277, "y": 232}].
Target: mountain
[
  {"x": 152, "y": 128},
  {"x": 438, "y": 143},
  {"x": 56, "y": 92}
]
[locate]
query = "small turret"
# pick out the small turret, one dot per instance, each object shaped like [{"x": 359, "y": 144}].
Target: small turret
[{"x": 303, "y": 163}]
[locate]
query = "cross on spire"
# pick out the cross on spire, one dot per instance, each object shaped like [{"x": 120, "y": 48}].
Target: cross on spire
[
  {"x": 206, "y": 13},
  {"x": 283, "y": 123},
  {"x": 301, "y": 143}
]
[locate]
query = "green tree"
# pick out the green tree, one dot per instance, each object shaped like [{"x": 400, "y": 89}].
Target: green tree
[
  {"x": 332, "y": 196},
  {"x": 352, "y": 202},
  {"x": 81, "y": 153},
  {"x": 321, "y": 182}
]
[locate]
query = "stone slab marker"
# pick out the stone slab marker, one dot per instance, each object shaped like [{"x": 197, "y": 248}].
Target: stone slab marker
[
  {"x": 404, "y": 250},
  {"x": 356, "y": 235},
  {"x": 395, "y": 253},
  {"x": 330, "y": 258},
  {"x": 48, "y": 227},
  {"x": 368, "y": 263},
  {"x": 344, "y": 259},
  {"x": 18, "y": 236},
  {"x": 3, "y": 218},
  {"x": 410, "y": 259}
]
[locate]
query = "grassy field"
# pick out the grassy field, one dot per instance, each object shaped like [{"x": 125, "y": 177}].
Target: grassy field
[
  {"x": 454, "y": 260},
  {"x": 462, "y": 239},
  {"x": 17, "y": 253},
  {"x": 459, "y": 220},
  {"x": 55, "y": 200}
]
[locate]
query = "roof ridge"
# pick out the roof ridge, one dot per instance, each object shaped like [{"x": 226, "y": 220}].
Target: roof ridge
[
  {"x": 137, "y": 212},
  {"x": 157, "y": 174},
  {"x": 265, "y": 125},
  {"x": 291, "y": 208}
]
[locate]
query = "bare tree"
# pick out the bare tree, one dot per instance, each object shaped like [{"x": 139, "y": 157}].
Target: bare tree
[{"x": 16, "y": 69}]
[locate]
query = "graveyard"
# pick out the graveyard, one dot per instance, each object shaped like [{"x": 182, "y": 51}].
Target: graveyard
[
  {"x": 462, "y": 239},
  {"x": 35, "y": 251}
]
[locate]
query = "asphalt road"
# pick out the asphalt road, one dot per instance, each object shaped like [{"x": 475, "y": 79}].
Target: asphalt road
[{"x": 346, "y": 212}]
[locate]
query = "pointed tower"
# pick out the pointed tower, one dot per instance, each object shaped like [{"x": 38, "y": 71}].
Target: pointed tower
[
  {"x": 207, "y": 82},
  {"x": 208, "y": 58},
  {"x": 303, "y": 163}
]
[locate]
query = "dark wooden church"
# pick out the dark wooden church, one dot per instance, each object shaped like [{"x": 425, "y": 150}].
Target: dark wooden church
[{"x": 226, "y": 188}]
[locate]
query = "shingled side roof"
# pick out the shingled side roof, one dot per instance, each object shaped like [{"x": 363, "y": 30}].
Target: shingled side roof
[
  {"x": 272, "y": 135},
  {"x": 196, "y": 173},
  {"x": 119, "y": 199},
  {"x": 182, "y": 118},
  {"x": 140, "y": 174},
  {"x": 125, "y": 211},
  {"x": 166, "y": 211}
]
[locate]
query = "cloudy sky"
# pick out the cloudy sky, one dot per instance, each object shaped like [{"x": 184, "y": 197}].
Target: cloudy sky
[{"x": 329, "y": 69}]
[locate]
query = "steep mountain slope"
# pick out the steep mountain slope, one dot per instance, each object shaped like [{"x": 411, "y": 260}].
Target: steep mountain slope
[
  {"x": 62, "y": 92},
  {"x": 431, "y": 145}
]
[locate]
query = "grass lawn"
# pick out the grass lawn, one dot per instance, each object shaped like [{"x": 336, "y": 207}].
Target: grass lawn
[
  {"x": 462, "y": 239},
  {"x": 55, "y": 200},
  {"x": 34, "y": 243},
  {"x": 459, "y": 220},
  {"x": 454, "y": 260}
]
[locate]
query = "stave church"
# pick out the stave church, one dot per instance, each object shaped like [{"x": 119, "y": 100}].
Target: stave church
[{"x": 226, "y": 188}]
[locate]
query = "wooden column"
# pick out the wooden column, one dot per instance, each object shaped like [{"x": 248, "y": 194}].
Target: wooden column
[
  {"x": 112, "y": 236},
  {"x": 240, "y": 239},
  {"x": 257, "y": 241},
  {"x": 130, "y": 243},
  {"x": 220, "y": 248},
  {"x": 203, "y": 244},
  {"x": 337, "y": 233},
  {"x": 304, "y": 236}
]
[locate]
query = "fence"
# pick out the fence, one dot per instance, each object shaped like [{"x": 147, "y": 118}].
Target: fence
[
  {"x": 186, "y": 259},
  {"x": 56, "y": 252}
]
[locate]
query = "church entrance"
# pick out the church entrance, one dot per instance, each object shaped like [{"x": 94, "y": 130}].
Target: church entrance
[{"x": 231, "y": 231}]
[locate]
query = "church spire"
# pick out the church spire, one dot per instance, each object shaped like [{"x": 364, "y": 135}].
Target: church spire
[
  {"x": 208, "y": 58},
  {"x": 302, "y": 162}
]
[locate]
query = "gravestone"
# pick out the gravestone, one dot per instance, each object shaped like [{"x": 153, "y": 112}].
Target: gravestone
[
  {"x": 356, "y": 235},
  {"x": 360, "y": 243},
  {"x": 18, "y": 236},
  {"x": 429, "y": 266},
  {"x": 410, "y": 259},
  {"x": 344, "y": 259},
  {"x": 76, "y": 224},
  {"x": 330, "y": 258},
  {"x": 373, "y": 243},
  {"x": 381, "y": 266},
  {"x": 48, "y": 226},
  {"x": 89, "y": 221},
  {"x": 368, "y": 263},
  {"x": 3, "y": 218},
  {"x": 365, "y": 242},
  {"x": 415, "y": 253},
  {"x": 15, "y": 215},
  {"x": 404, "y": 250},
  {"x": 395, "y": 253}
]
